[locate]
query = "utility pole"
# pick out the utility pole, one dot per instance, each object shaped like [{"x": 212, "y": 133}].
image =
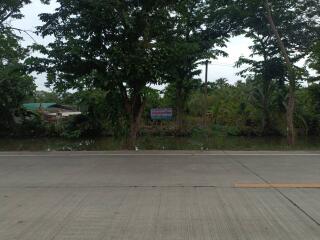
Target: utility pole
[{"x": 206, "y": 94}]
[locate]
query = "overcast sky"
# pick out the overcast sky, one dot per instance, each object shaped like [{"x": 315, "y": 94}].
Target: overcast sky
[{"x": 222, "y": 67}]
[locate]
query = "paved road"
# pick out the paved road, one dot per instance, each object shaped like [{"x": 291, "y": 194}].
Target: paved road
[{"x": 158, "y": 195}]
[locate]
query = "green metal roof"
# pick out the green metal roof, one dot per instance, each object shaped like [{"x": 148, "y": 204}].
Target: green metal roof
[{"x": 37, "y": 106}]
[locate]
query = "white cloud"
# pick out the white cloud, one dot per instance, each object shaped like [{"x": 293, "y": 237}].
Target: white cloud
[
  {"x": 29, "y": 23},
  {"x": 223, "y": 67}
]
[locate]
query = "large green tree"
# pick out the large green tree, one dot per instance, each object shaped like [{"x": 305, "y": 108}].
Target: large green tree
[
  {"x": 292, "y": 27},
  {"x": 265, "y": 73},
  {"x": 108, "y": 44},
  {"x": 200, "y": 30},
  {"x": 15, "y": 84},
  {"x": 314, "y": 60}
]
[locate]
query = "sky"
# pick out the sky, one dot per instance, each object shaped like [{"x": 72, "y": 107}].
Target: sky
[{"x": 218, "y": 68}]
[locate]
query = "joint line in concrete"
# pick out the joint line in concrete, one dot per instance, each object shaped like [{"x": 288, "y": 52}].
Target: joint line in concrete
[{"x": 279, "y": 191}]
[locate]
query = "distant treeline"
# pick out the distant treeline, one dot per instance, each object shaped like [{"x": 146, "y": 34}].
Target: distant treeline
[{"x": 110, "y": 52}]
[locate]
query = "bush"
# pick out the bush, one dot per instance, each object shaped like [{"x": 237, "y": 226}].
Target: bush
[
  {"x": 32, "y": 126},
  {"x": 82, "y": 126}
]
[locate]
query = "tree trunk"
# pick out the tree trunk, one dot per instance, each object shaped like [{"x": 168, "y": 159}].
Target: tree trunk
[
  {"x": 290, "y": 118},
  {"x": 179, "y": 110},
  {"x": 134, "y": 112},
  {"x": 267, "y": 128},
  {"x": 134, "y": 107},
  {"x": 292, "y": 77},
  {"x": 133, "y": 132},
  {"x": 205, "y": 124}
]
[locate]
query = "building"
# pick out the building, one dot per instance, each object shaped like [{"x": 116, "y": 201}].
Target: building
[{"x": 51, "y": 112}]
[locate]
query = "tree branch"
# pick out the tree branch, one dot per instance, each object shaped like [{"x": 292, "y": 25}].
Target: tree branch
[
  {"x": 6, "y": 17},
  {"x": 24, "y": 31}
]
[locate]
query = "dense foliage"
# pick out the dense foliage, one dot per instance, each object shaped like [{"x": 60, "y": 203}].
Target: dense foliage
[
  {"x": 314, "y": 60},
  {"x": 106, "y": 56},
  {"x": 15, "y": 84}
]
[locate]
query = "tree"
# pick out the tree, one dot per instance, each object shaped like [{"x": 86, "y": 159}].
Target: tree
[
  {"x": 314, "y": 60},
  {"x": 108, "y": 44},
  {"x": 291, "y": 74},
  {"x": 231, "y": 111},
  {"x": 292, "y": 26},
  {"x": 266, "y": 77},
  {"x": 311, "y": 98},
  {"x": 15, "y": 84},
  {"x": 10, "y": 9},
  {"x": 200, "y": 29}
]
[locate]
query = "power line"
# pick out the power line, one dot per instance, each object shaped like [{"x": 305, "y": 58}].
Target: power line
[{"x": 223, "y": 65}]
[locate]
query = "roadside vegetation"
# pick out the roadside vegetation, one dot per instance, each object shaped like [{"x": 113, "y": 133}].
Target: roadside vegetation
[{"x": 107, "y": 56}]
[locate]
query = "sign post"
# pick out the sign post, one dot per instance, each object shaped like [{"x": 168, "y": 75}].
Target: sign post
[{"x": 161, "y": 114}]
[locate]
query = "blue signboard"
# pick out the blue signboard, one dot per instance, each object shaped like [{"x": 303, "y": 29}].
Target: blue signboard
[{"x": 162, "y": 114}]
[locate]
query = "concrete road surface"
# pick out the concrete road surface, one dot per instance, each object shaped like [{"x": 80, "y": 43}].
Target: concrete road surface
[{"x": 160, "y": 195}]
